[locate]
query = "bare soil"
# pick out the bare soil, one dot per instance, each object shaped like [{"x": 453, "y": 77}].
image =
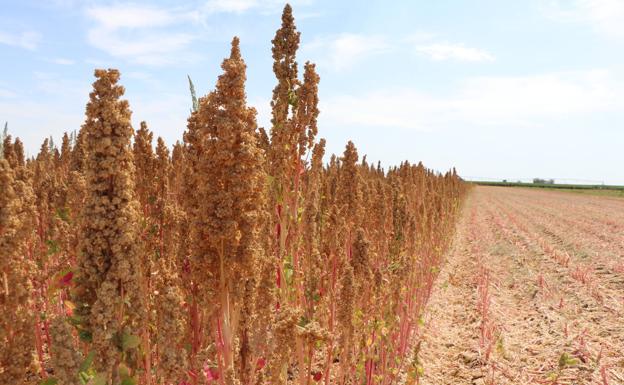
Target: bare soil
[{"x": 532, "y": 292}]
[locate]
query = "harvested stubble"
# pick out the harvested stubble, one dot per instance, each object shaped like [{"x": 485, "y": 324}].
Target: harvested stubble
[{"x": 239, "y": 259}]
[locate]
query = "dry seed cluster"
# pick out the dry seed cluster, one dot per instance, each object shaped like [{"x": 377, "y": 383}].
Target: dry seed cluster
[{"x": 241, "y": 258}]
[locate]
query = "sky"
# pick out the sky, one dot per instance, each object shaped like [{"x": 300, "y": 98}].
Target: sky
[{"x": 499, "y": 89}]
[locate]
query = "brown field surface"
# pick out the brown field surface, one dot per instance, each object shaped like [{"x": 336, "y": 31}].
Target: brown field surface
[{"x": 532, "y": 292}]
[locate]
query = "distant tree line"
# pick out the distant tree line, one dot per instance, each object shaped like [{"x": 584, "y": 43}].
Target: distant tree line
[{"x": 543, "y": 181}]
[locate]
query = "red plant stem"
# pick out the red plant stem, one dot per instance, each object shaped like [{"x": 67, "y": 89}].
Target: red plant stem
[
  {"x": 297, "y": 281},
  {"x": 382, "y": 349},
  {"x": 310, "y": 355},
  {"x": 281, "y": 234},
  {"x": 604, "y": 375},
  {"x": 38, "y": 340},
  {"x": 331, "y": 319},
  {"x": 220, "y": 344},
  {"x": 252, "y": 378},
  {"x": 148, "y": 361},
  {"x": 278, "y": 266},
  {"x": 369, "y": 362},
  {"x": 39, "y": 343},
  {"x": 225, "y": 328},
  {"x": 196, "y": 336},
  {"x": 301, "y": 361},
  {"x": 46, "y": 329}
]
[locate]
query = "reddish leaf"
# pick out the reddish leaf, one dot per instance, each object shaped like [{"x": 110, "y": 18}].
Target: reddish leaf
[
  {"x": 66, "y": 280},
  {"x": 212, "y": 374},
  {"x": 186, "y": 266},
  {"x": 260, "y": 363},
  {"x": 317, "y": 376}
]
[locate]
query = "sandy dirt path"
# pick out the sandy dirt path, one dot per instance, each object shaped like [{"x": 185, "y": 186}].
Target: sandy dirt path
[{"x": 532, "y": 292}]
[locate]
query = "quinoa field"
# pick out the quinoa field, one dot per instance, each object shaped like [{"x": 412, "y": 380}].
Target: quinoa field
[
  {"x": 245, "y": 255},
  {"x": 236, "y": 257}
]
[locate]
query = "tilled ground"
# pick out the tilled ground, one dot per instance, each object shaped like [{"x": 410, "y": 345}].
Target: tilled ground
[{"x": 532, "y": 292}]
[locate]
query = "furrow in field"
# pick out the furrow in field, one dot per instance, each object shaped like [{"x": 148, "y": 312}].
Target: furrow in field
[
  {"x": 449, "y": 346},
  {"x": 585, "y": 266},
  {"x": 511, "y": 307},
  {"x": 595, "y": 329}
]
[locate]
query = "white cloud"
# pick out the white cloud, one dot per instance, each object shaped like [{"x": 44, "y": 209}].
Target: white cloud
[
  {"x": 56, "y": 118},
  {"x": 28, "y": 40},
  {"x": 447, "y": 51},
  {"x": 527, "y": 101},
  {"x": 54, "y": 84},
  {"x": 149, "y": 49},
  {"x": 240, "y": 6},
  {"x": 139, "y": 75},
  {"x": 132, "y": 16},
  {"x": 604, "y": 16},
  {"x": 165, "y": 113},
  {"x": 421, "y": 36},
  {"x": 158, "y": 34},
  {"x": 398, "y": 108},
  {"x": 344, "y": 51},
  {"x": 138, "y": 34},
  {"x": 62, "y": 61},
  {"x": 236, "y": 6},
  {"x": 499, "y": 100},
  {"x": 428, "y": 44},
  {"x": 7, "y": 94}
]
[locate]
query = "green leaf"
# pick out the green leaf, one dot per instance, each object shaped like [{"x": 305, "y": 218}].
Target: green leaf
[
  {"x": 53, "y": 247},
  {"x": 74, "y": 320},
  {"x": 129, "y": 381},
  {"x": 288, "y": 272},
  {"x": 85, "y": 335},
  {"x": 49, "y": 381},
  {"x": 303, "y": 321},
  {"x": 86, "y": 364},
  {"x": 98, "y": 379},
  {"x": 195, "y": 103},
  {"x": 84, "y": 377},
  {"x": 63, "y": 214},
  {"x": 292, "y": 98},
  {"x": 500, "y": 347},
  {"x": 129, "y": 341},
  {"x": 565, "y": 360},
  {"x": 124, "y": 371}
]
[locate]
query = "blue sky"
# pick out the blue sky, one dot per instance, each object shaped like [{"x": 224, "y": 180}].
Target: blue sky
[{"x": 497, "y": 88}]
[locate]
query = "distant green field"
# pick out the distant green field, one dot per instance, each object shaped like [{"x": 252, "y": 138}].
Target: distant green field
[{"x": 601, "y": 190}]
